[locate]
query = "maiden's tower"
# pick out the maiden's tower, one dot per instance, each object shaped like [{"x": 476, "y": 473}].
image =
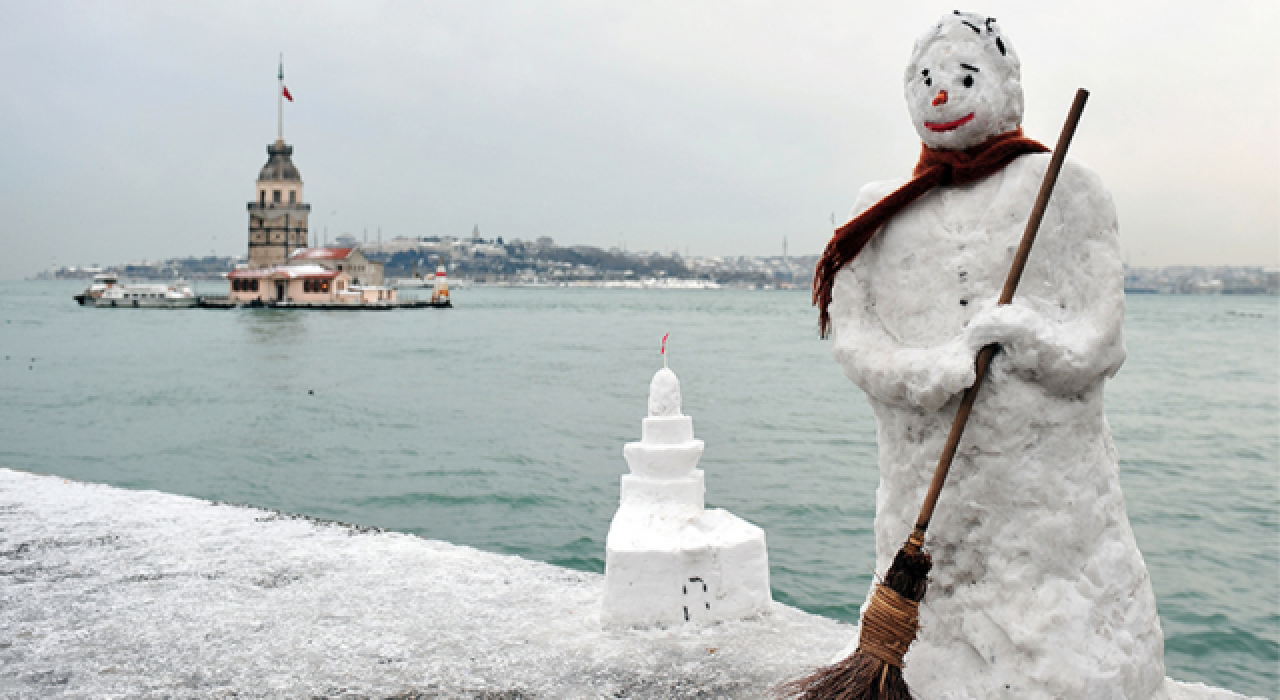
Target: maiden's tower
[
  {"x": 278, "y": 214},
  {"x": 283, "y": 271}
]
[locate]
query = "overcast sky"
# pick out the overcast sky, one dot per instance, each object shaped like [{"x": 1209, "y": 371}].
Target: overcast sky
[{"x": 135, "y": 130}]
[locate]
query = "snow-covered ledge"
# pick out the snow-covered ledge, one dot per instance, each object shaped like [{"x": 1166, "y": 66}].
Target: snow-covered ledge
[{"x": 108, "y": 592}]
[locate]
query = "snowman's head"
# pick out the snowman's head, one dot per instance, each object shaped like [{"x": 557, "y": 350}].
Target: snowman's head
[{"x": 963, "y": 83}]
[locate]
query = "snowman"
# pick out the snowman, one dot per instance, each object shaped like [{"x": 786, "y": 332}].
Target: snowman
[{"x": 1038, "y": 589}]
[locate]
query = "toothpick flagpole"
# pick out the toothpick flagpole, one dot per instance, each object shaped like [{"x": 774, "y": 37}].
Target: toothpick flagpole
[{"x": 664, "y": 350}]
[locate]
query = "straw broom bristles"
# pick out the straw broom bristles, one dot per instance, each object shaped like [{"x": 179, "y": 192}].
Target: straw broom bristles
[{"x": 874, "y": 671}]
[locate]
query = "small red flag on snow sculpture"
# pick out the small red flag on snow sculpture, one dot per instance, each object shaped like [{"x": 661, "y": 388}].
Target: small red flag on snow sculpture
[
  {"x": 664, "y": 349},
  {"x": 287, "y": 96}
]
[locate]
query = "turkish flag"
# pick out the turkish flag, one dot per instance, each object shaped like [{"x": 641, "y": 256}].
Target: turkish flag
[{"x": 287, "y": 96}]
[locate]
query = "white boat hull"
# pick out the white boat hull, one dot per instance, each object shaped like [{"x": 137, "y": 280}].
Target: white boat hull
[
  {"x": 162, "y": 303},
  {"x": 139, "y": 296}
]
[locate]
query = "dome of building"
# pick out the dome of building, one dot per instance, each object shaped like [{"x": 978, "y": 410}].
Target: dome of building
[{"x": 279, "y": 163}]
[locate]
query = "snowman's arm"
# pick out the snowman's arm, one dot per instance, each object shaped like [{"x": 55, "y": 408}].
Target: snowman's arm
[
  {"x": 871, "y": 357},
  {"x": 1067, "y": 335}
]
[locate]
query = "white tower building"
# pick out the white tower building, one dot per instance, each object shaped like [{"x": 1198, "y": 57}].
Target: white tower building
[{"x": 668, "y": 559}]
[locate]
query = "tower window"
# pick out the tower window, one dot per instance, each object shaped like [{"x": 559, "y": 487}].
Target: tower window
[
  {"x": 293, "y": 196},
  {"x": 262, "y": 196},
  {"x": 275, "y": 196}
]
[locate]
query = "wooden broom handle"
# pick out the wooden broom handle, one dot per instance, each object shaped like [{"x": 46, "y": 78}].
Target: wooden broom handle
[{"x": 1006, "y": 297}]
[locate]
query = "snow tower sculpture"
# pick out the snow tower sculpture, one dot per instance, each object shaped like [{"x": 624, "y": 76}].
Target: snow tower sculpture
[
  {"x": 1038, "y": 589},
  {"x": 668, "y": 559}
]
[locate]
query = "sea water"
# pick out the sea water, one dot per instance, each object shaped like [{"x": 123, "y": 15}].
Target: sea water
[{"x": 500, "y": 423}]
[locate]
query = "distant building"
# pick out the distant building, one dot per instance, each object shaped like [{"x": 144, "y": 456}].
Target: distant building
[
  {"x": 282, "y": 268},
  {"x": 278, "y": 218},
  {"x": 352, "y": 261},
  {"x": 302, "y": 285}
]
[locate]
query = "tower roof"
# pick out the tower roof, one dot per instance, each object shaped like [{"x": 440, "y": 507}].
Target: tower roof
[{"x": 279, "y": 163}]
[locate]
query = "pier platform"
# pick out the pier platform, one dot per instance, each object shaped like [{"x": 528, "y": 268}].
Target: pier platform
[
  {"x": 211, "y": 302},
  {"x": 115, "y": 593}
]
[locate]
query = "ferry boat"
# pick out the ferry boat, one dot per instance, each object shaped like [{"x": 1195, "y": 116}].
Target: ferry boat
[
  {"x": 106, "y": 291},
  {"x": 101, "y": 283}
]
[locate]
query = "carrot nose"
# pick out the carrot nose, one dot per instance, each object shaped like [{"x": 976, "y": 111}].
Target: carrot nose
[{"x": 941, "y": 99}]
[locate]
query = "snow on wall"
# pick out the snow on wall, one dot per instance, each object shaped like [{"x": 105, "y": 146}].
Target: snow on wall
[
  {"x": 109, "y": 592},
  {"x": 112, "y": 593}
]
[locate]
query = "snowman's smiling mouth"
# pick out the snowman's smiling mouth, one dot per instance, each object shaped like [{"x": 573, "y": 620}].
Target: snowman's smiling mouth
[{"x": 950, "y": 126}]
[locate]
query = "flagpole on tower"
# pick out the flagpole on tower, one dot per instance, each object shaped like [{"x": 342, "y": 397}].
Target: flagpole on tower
[{"x": 280, "y": 100}]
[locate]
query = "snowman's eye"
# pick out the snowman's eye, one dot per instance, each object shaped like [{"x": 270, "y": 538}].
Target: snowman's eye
[
  {"x": 928, "y": 82},
  {"x": 968, "y": 81}
]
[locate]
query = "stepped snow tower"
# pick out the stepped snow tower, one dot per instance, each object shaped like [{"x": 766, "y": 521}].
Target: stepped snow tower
[
  {"x": 278, "y": 214},
  {"x": 668, "y": 559}
]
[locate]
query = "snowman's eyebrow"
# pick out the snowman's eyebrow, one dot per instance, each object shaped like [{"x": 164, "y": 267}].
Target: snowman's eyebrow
[
  {"x": 971, "y": 26},
  {"x": 966, "y": 66}
]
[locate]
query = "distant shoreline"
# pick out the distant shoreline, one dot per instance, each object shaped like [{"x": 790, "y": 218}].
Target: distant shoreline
[
  {"x": 543, "y": 263},
  {"x": 701, "y": 284}
]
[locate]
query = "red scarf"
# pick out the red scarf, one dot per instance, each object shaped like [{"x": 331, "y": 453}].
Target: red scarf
[{"x": 936, "y": 167}]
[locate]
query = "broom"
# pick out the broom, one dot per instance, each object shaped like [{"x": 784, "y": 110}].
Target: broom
[{"x": 874, "y": 671}]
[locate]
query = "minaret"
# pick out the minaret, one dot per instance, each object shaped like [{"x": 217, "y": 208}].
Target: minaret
[
  {"x": 278, "y": 215},
  {"x": 668, "y": 558}
]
